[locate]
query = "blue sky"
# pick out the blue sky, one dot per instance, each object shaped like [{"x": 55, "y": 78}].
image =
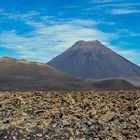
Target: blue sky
[{"x": 39, "y": 30}]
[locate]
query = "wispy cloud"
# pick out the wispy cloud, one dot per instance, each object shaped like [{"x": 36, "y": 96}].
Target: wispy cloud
[
  {"x": 48, "y": 40},
  {"x": 119, "y": 5},
  {"x": 127, "y": 33},
  {"x": 71, "y": 7},
  {"x": 50, "y": 37},
  {"x": 106, "y": 1},
  {"x": 18, "y": 16},
  {"x": 132, "y": 55},
  {"x": 123, "y": 11}
]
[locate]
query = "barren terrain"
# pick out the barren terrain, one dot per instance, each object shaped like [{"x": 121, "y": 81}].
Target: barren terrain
[{"x": 91, "y": 115}]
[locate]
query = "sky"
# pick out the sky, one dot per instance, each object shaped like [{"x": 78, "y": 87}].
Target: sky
[{"x": 39, "y": 30}]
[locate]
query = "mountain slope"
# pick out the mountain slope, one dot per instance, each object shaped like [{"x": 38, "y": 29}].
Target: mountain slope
[
  {"x": 20, "y": 74},
  {"x": 113, "y": 84},
  {"x": 25, "y": 75},
  {"x": 92, "y": 59},
  {"x": 30, "y": 70}
]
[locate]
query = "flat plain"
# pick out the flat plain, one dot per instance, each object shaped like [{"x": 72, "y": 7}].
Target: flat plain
[{"x": 90, "y": 115}]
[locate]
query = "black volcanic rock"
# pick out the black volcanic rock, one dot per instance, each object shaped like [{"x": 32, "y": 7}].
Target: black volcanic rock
[{"x": 94, "y": 60}]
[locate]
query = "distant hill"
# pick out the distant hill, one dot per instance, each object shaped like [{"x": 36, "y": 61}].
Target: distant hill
[
  {"x": 93, "y": 60},
  {"x": 30, "y": 70},
  {"x": 20, "y": 73},
  {"x": 113, "y": 84}
]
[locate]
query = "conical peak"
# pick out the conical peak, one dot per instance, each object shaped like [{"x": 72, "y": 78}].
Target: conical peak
[
  {"x": 82, "y": 42},
  {"x": 91, "y": 59},
  {"x": 97, "y": 42},
  {"x": 89, "y": 46}
]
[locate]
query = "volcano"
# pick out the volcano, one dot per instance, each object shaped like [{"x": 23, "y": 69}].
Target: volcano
[{"x": 93, "y": 60}]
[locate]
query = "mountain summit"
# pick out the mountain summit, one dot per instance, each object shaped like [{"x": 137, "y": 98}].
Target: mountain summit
[{"x": 92, "y": 59}]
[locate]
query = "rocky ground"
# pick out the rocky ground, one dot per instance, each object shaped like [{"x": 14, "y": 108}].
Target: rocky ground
[{"x": 92, "y": 115}]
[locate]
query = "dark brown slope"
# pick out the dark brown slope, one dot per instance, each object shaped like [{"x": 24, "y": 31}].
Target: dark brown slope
[
  {"x": 113, "y": 84},
  {"x": 92, "y": 59},
  {"x": 30, "y": 70},
  {"x": 21, "y": 74}
]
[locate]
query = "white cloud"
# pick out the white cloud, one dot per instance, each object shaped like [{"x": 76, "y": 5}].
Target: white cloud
[
  {"x": 71, "y": 7},
  {"x": 119, "y": 5},
  {"x": 18, "y": 16},
  {"x": 129, "y": 52},
  {"x": 132, "y": 55},
  {"x": 80, "y": 22},
  {"x": 123, "y": 11},
  {"x": 51, "y": 37},
  {"x": 106, "y": 1},
  {"x": 127, "y": 33}
]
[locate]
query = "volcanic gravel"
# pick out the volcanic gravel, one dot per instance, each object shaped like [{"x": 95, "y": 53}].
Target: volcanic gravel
[{"x": 91, "y": 115}]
